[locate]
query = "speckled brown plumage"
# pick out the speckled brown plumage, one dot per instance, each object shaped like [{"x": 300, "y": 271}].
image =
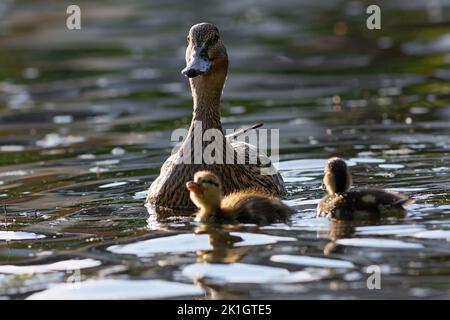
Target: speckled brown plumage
[
  {"x": 363, "y": 204},
  {"x": 167, "y": 191}
]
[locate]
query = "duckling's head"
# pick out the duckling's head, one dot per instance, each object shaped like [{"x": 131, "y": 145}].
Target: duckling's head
[
  {"x": 337, "y": 178},
  {"x": 205, "y": 192},
  {"x": 205, "y": 53}
]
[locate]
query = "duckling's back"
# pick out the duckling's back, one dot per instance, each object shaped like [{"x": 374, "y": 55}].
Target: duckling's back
[
  {"x": 254, "y": 206},
  {"x": 363, "y": 204}
]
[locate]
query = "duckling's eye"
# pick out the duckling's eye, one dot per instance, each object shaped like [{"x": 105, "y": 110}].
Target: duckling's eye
[
  {"x": 188, "y": 39},
  {"x": 210, "y": 182}
]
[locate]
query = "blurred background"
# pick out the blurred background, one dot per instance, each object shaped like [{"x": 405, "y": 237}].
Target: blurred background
[{"x": 85, "y": 123}]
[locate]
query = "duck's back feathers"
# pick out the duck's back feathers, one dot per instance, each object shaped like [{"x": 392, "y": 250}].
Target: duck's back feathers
[
  {"x": 164, "y": 191},
  {"x": 261, "y": 166},
  {"x": 363, "y": 204}
]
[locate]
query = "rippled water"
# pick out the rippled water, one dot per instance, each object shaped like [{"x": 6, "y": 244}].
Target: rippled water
[{"x": 86, "y": 116}]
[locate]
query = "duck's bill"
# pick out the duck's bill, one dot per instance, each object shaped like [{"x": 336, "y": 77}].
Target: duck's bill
[
  {"x": 194, "y": 187},
  {"x": 198, "y": 65}
]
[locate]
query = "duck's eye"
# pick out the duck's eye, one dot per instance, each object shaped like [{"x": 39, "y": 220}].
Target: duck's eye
[
  {"x": 213, "y": 40},
  {"x": 188, "y": 39}
]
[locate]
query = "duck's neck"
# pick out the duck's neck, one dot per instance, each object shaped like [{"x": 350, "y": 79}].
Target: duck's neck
[{"x": 206, "y": 93}]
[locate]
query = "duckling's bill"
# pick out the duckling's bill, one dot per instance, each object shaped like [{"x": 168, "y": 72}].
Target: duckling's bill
[{"x": 194, "y": 187}]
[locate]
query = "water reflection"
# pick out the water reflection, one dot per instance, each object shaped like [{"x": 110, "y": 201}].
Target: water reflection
[
  {"x": 85, "y": 120},
  {"x": 222, "y": 244}
]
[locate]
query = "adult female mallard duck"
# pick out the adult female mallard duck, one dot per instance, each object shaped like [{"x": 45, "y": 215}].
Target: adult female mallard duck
[
  {"x": 342, "y": 204},
  {"x": 207, "y": 67},
  {"x": 247, "y": 206}
]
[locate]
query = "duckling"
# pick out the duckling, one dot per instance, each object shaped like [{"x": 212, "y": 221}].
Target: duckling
[
  {"x": 246, "y": 206},
  {"x": 207, "y": 67},
  {"x": 342, "y": 204}
]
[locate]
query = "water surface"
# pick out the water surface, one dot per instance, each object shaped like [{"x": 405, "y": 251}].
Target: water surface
[{"x": 85, "y": 124}]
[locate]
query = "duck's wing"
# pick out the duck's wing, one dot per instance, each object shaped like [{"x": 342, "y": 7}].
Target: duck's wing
[
  {"x": 259, "y": 164},
  {"x": 242, "y": 131},
  {"x": 248, "y": 154}
]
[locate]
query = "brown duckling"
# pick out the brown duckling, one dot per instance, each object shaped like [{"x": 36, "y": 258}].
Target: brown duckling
[
  {"x": 206, "y": 68},
  {"x": 342, "y": 204},
  {"x": 246, "y": 206}
]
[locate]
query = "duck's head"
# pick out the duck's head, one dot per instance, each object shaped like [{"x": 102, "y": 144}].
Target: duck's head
[
  {"x": 205, "y": 191},
  {"x": 337, "y": 178},
  {"x": 205, "y": 53}
]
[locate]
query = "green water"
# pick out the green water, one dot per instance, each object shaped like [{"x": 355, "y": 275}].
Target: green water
[{"x": 85, "y": 124}]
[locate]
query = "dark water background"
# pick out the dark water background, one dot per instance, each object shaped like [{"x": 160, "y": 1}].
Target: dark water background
[{"x": 86, "y": 118}]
